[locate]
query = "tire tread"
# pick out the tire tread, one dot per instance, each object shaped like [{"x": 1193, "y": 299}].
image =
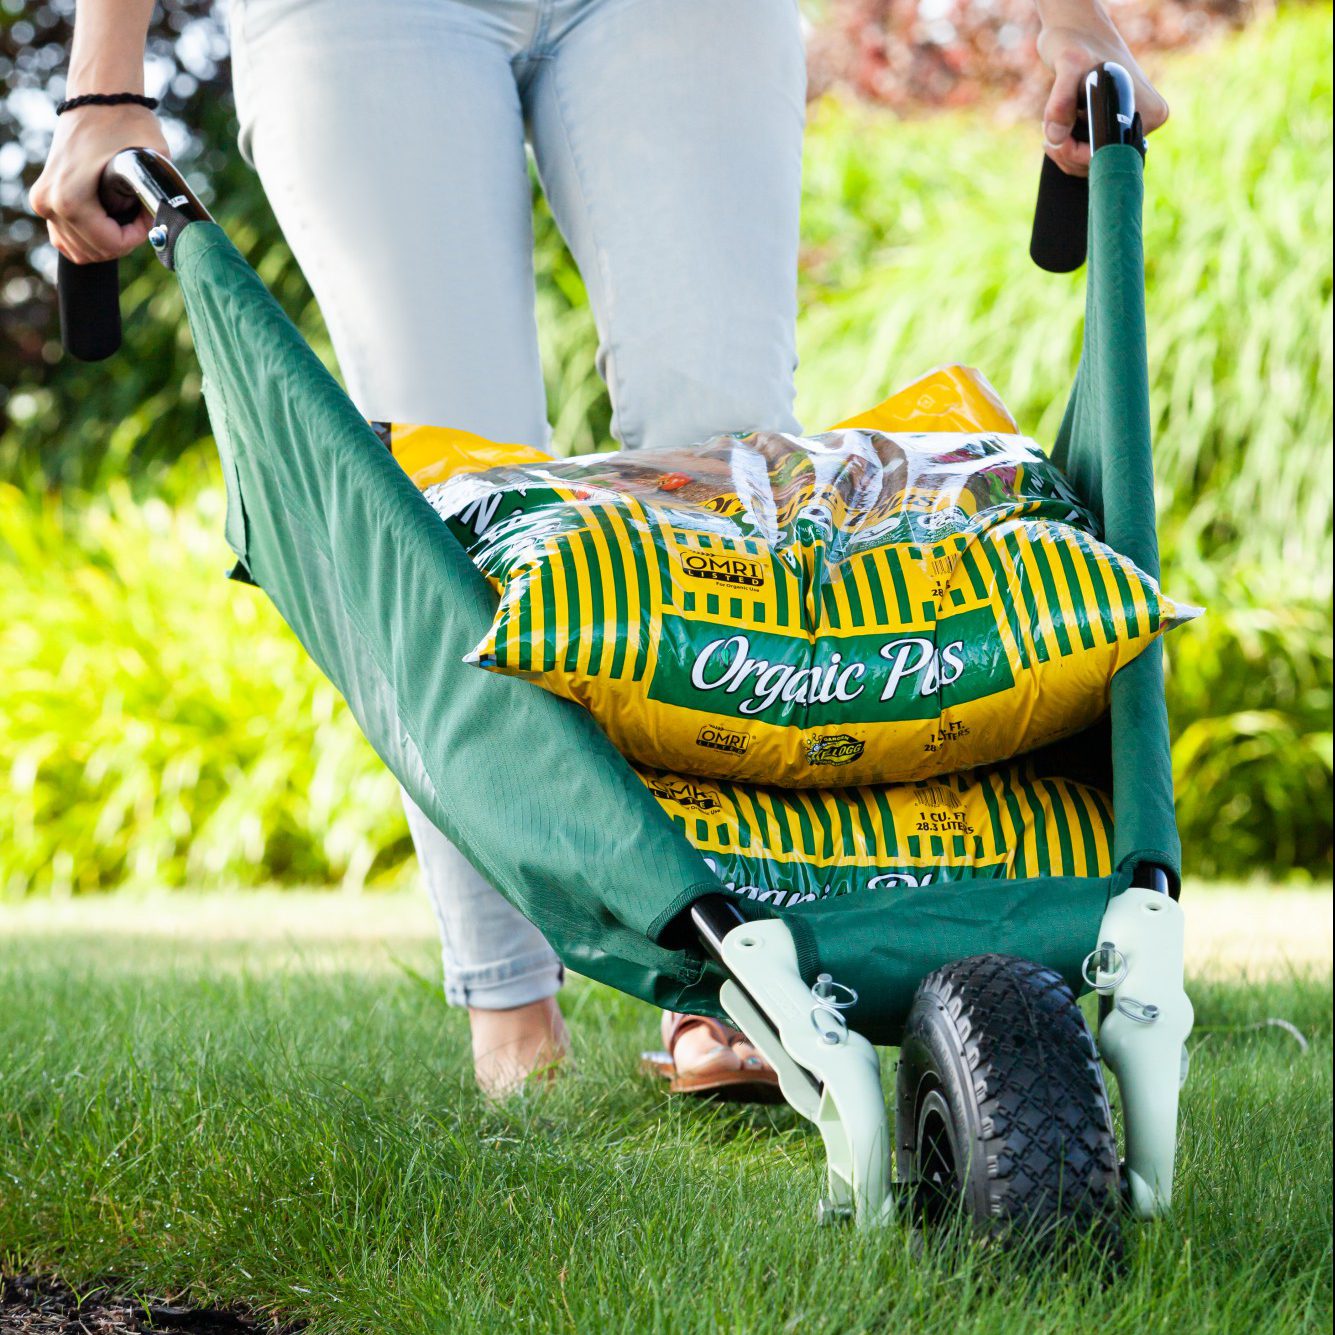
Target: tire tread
[{"x": 1045, "y": 1143}]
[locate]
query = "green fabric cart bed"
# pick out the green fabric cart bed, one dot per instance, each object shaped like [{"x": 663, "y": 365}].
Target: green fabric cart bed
[{"x": 387, "y": 603}]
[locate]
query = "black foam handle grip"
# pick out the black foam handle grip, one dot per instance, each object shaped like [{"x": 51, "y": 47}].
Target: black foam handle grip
[
  {"x": 1060, "y": 237},
  {"x": 1061, "y": 220},
  {"x": 89, "y": 297},
  {"x": 135, "y": 181}
]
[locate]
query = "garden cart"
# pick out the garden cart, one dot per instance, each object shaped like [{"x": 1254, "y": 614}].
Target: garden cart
[{"x": 1001, "y": 1106}]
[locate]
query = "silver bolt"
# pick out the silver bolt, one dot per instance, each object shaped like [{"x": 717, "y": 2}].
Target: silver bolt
[{"x": 157, "y": 237}]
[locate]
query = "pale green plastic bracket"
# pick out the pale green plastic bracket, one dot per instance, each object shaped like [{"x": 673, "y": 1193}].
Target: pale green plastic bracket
[
  {"x": 1143, "y": 1039},
  {"x": 830, "y": 1075}
]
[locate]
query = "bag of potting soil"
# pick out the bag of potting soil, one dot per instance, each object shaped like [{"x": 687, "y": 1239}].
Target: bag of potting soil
[
  {"x": 870, "y": 605},
  {"x": 784, "y": 846}
]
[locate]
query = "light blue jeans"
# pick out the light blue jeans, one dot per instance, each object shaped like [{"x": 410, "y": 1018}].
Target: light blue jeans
[{"x": 390, "y": 138}]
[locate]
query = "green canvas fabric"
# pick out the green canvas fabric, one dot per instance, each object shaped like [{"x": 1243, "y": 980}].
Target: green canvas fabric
[
  {"x": 1104, "y": 447},
  {"x": 387, "y": 604},
  {"x": 887, "y": 941}
]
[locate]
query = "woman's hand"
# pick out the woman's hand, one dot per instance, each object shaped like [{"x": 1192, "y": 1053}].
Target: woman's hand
[
  {"x": 1077, "y": 35},
  {"x": 65, "y": 194}
]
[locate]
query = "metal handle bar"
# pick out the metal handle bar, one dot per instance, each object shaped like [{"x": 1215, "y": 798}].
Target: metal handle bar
[
  {"x": 135, "y": 180},
  {"x": 1061, "y": 216}
]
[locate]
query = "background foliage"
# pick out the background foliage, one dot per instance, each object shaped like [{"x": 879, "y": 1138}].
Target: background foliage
[
  {"x": 158, "y": 725},
  {"x": 958, "y": 52}
]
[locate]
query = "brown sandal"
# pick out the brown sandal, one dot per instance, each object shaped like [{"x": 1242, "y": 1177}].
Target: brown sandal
[{"x": 755, "y": 1081}]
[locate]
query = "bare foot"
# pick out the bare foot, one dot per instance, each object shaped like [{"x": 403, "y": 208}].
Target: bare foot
[{"x": 509, "y": 1046}]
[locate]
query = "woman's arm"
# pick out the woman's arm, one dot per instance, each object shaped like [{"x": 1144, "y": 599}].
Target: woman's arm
[
  {"x": 1075, "y": 36},
  {"x": 107, "y": 56}
]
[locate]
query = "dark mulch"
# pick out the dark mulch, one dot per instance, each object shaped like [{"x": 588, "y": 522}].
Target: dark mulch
[{"x": 40, "y": 1306}]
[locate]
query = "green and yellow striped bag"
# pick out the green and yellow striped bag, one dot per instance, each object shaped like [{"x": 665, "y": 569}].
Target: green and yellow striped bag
[
  {"x": 784, "y": 846},
  {"x": 860, "y": 607}
]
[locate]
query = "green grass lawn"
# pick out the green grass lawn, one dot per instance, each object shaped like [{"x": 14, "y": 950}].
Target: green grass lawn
[{"x": 262, "y": 1099}]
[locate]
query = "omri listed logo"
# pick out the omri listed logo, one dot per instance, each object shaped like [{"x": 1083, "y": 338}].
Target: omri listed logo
[
  {"x": 725, "y": 567},
  {"x": 722, "y": 739},
  {"x": 837, "y": 749},
  {"x": 685, "y": 794}
]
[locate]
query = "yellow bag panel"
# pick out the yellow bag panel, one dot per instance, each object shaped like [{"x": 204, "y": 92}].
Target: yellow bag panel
[
  {"x": 951, "y": 398},
  {"x": 784, "y": 846},
  {"x": 434, "y": 454}
]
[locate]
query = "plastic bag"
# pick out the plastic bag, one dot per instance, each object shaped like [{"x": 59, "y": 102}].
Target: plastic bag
[
  {"x": 782, "y": 846},
  {"x": 861, "y": 607}
]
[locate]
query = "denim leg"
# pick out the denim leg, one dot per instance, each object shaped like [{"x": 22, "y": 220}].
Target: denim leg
[
  {"x": 390, "y": 141},
  {"x": 669, "y": 142},
  {"x": 494, "y": 957}
]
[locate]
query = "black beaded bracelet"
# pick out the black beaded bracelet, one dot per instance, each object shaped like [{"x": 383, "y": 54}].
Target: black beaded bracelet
[{"x": 106, "y": 100}]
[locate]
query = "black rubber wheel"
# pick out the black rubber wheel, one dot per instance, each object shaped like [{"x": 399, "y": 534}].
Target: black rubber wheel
[{"x": 1002, "y": 1113}]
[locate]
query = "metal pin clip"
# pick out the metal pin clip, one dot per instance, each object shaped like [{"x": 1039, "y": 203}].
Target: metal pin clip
[
  {"x": 1142, "y": 1012},
  {"x": 1104, "y": 968},
  {"x": 831, "y": 998}
]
